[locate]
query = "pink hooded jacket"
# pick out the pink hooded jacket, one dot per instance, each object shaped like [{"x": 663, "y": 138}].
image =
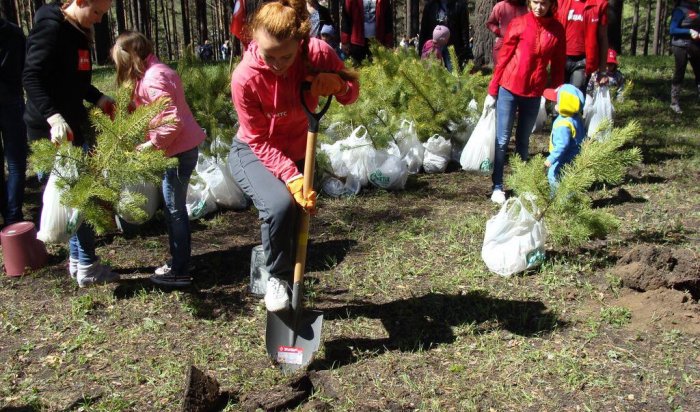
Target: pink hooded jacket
[
  {"x": 183, "y": 133},
  {"x": 271, "y": 117}
]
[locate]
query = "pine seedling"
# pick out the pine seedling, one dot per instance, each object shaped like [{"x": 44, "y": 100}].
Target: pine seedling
[
  {"x": 93, "y": 182},
  {"x": 568, "y": 212}
]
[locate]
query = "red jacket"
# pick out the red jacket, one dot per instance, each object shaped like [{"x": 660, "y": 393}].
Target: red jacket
[
  {"x": 271, "y": 118},
  {"x": 529, "y": 46},
  {"x": 352, "y": 29},
  {"x": 595, "y": 15}
]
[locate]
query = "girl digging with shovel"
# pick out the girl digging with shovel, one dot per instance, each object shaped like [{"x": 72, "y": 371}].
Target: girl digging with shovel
[{"x": 267, "y": 155}]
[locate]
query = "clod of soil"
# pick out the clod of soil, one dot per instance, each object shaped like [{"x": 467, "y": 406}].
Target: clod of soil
[
  {"x": 649, "y": 267},
  {"x": 201, "y": 393},
  {"x": 281, "y": 397}
]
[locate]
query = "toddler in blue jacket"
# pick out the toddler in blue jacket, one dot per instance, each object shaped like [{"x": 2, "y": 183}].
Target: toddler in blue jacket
[{"x": 568, "y": 130}]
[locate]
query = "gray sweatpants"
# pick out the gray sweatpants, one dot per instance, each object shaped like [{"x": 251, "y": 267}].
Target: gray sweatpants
[{"x": 276, "y": 207}]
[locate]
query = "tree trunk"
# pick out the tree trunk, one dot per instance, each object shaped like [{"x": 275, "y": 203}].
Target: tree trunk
[
  {"x": 184, "y": 11},
  {"x": 166, "y": 29},
  {"x": 173, "y": 24},
  {"x": 483, "y": 38},
  {"x": 145, "y": 18},
  {"x": 635, "y": 29},
  {"x": 103, "y": 40},
  {"x": 121, "y": 19},
  {"x": 664, "y": 29},
  {"x": 647, "y": 28},
  {"x": 657, "y": 28},
  {"x": 615, "y": 25},
  {"x": 201, "y": 12},
  {"x": 8, "y": 11}
]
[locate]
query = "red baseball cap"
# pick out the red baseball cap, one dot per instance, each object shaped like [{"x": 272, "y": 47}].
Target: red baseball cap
[
  {"x": 551, "y": 94},
  {"x": 612, "y": 56}
]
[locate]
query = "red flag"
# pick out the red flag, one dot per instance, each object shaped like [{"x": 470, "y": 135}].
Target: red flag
[{"x": 238, "y": 18}]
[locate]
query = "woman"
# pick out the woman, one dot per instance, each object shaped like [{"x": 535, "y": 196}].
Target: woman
[
  {"x": 685, "y": 44},
  {"x": 138, "y": 67},
  {"x": 268, "y": 152},
  {"x": 532, "y": 42},
  {"x": 57, "y": 78},
  {"x": 499, "y": 19}
]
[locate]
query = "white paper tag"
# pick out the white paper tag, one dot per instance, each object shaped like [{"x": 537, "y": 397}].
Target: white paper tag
[{"x": 290, "y": 354}]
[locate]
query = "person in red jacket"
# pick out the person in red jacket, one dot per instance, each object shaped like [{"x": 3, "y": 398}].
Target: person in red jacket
[
  {"x": 267, "y": 154},
  {"x": 501, "y": 15},
  {"x": 364, "y": 20},
  {"x": 532, "y": 42},
  {"x": 586, "y": 25}
]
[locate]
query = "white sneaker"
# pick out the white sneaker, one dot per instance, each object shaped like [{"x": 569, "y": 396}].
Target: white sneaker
[
  {"x": 163, "y": 270},
  {"x": 94, "y": 274},
  {"x": 73, "y": 267},
  {"x": 498, "y": 196},
  {"x": 276, "y": 298}
]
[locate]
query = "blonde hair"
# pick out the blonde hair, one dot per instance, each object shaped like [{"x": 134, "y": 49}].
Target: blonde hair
[
  {"x": 284, "y": 19},
  {"x": 129, "y": 54}
]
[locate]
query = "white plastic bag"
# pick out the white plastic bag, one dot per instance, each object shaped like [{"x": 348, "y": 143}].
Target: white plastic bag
[
  {"x": 335, "y": 156},
  {"x": 480, "y": 151},
  {"x": 58, "y": 222},
  {"x": 411, "y": 149},
  {"x": 514, "y": 240},
  {"x": 391, "y": 174},
  {"x": 334, "y": 187},
  {"x": 600, "y": 110},
  {"x": 222, "y": 186},
  {"x": 149, "y": 191},
  {"x": 359, "y": 155},
  {"x": 437, "y": 154},
  {"x": 199, "y": 201},
  {"x": 541, "y": 117}
]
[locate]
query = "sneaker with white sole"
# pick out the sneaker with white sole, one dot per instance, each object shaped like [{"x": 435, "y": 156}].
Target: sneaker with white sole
[
  {"x": 72, "y": 267},
  {"x": 276, "y": 297},
  {"x": 95, "y": 274},
  {"x": 498, "y": 196},
  {"x": 172, "y": 280}
]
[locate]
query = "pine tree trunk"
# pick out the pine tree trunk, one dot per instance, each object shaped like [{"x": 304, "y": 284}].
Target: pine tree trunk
[
  {"x": 103, "y": 40},
  {"x": 635, "y": 29},
  {"x": 184, "y": 12},
  {"x": 144, "y": 11},
  {"x": 483, "y": 38},
  {"x": 173, "y": 24},
  {"x": 647, "y": 28},
  {"x": 166, "y": 29},
  {"x": 664, "y": 29},
  {"x": 121, "y": 20},
  {"x": 657, "y": 28},
  {"x": 201, "y": 13},
  {"x": 615, "y": 24}
]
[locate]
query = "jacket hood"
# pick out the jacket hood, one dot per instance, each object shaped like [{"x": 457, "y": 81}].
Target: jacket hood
[{"x": 51, "y": 11}]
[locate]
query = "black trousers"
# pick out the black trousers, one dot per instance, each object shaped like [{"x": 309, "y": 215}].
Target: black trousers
[{"x": 683, "y": 55}]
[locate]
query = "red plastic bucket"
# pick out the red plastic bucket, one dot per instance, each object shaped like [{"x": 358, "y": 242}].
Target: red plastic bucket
[{"x": 21, "y": 249}]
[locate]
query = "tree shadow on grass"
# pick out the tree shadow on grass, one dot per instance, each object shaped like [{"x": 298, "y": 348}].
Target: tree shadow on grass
[
  {"x": 421, "y": 323},
  {"x": 621, "y": 197}
]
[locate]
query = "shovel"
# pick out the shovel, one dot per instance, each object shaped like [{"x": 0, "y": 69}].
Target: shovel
[{"x": 293, "y": 336}]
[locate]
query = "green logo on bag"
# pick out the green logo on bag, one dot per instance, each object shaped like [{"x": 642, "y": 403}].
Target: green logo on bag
[
  {"x": 535, "y": 258},
  {"x": 486, "y": 166},
  {"x": 379, "y": 179}
]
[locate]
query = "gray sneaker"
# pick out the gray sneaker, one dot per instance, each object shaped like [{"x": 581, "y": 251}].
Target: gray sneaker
[{"x": 95, "y": 274}]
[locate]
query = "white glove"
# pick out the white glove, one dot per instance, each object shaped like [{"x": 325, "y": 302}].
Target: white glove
[
  {"x": 694, "y": 34},
  {"x": 489, "y": 102},
  {"x": 60, "y": 131}
]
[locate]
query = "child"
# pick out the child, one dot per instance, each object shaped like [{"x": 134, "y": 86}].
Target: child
[
  {"x": 137, "y": 66},
  {"x": 568, "y": 130},
  {"x": 434, "y": 47},
  {"x": 616, "y": 80},
  {"x": 328, "y": 35}
]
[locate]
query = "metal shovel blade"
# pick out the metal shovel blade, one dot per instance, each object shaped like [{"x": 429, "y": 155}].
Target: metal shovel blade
[{"x": 292, "y": 347}]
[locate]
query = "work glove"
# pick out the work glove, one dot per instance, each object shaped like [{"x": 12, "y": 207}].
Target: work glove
[
  {"x": 106, "y": 104},
  {"x": 60, "y": 131},
  {"x": 489, "y": 102},
  {"x": 145, "y": 146},
  {"x": 326, "y": 84},
  {"x": 694, "y": 34},
  {"x": 296, "y": 188}
]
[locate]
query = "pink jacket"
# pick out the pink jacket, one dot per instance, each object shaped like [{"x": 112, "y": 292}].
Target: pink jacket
[
  {"x": 501, "y": 15},
  {"x": 530, "y": 45},
  {"x": 271, "y": 118},
  {"x": 183, "y": 133}
]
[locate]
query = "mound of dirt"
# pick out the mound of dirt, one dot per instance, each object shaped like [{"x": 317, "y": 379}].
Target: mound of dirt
[
  {"x": 662, "y": 309},
  {"x": 650, "y": 267}
]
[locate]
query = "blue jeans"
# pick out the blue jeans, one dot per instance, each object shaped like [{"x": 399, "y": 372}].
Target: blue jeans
[
  {"x": 175, "y": 183},
  {"x": 14, "y": 152},
  {"x": 506, "y": 106},
  {"x": 82, "y": 244}
]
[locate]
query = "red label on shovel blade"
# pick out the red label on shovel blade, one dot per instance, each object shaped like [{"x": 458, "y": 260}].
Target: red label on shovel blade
[{"x": 290, "y": 354}]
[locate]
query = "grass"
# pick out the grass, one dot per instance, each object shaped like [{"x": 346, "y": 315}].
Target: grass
[{"x": 413, "y": 319}]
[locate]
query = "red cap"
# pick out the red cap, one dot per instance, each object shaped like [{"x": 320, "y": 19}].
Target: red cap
[
  {"x": 551, "y": 94},
  {"x": 612, "y": 56}
]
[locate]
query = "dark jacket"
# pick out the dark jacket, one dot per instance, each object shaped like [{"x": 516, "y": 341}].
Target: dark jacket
[
  {"x": 683, "y": 18},
  {"x": 457, "y": 22},
  {"x": 57, "y": 72},
  {"x": 352, "y": 30},
  {"x": 12, "y": 43},
  {"x": 324, "y": 18}
]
